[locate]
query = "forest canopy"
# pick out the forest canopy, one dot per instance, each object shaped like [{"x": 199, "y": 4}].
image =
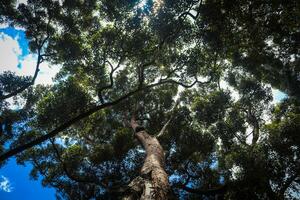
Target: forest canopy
[{"x": 157, "y": 99}]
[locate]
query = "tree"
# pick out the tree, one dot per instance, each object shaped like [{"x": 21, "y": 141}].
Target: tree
[{"x": 173, "y": 69}]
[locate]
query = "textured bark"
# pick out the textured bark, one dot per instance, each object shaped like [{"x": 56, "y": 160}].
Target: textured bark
[
  {"x": 156, "y": 185},
  {"x": 153, "y": 167}
]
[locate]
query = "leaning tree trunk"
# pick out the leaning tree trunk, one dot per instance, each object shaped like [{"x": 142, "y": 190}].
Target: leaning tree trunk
[{"x": 152, "y": 183}]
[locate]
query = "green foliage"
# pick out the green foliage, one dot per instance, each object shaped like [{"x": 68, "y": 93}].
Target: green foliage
[
  {"x": 209, "y": 109},
  {"x": 102, "y": 153},
  {"x": 223, "y": 132},
  {"x": 9, "y": 82},
  {"x": 122, "y": 142},
  {"x": 52, "y": 109},
  {"x": 70, "y": 155}
]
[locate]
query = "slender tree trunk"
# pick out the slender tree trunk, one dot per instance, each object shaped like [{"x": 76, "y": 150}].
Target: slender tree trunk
[{"x": 153, "y": 175}]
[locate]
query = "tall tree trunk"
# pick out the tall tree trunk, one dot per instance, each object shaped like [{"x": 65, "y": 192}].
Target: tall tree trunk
[{"x": 153, "y": 175}]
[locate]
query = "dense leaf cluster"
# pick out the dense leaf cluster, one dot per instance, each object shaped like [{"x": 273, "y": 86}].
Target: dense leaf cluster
[{"x": 219, "y": 60}]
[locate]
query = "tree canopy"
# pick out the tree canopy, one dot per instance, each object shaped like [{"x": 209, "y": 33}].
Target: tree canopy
[{"x": 181, "y": 89}]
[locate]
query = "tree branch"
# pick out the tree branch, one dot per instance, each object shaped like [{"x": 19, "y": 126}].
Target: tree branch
[
  {"x": 161, "y": 132},
  {"x": 288, "y": 183},
  {"x": 69, "y": 174},
  {"x": 113, "y": 69},
  {"x": 81, "y": 116},
  {"x": 21, "y": 89},
  {"x": 133, "y": 123},
  {"x": 185, "y": 85},
  {"x": 39, "y": 61}
]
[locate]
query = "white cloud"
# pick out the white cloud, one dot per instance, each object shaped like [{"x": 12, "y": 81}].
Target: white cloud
[
  {"x": 10, "y": 57},
  {"x": 5, "y": 184},
  {"x": 46, "y": 73},
  {"x": 9, "y": 52},
  {"x": 28, "y": 65}
]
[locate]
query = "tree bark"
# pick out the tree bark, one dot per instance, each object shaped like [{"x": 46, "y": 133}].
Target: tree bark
[{"x": 156, "y": 185}]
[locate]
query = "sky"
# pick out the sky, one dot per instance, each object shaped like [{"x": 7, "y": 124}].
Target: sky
[
  {"x": 15, "y": 183},
  {"x": 15, "y": 56}
]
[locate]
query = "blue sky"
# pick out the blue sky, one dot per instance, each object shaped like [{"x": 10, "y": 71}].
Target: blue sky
[
  {"x": 20, "y": 37},
  {"x": 20, "y": 186},
  {"x": 15, "y": 183}
]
